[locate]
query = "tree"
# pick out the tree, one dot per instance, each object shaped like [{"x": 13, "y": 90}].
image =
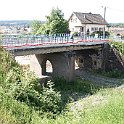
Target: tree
[
  {"x": 55, "y": 23},
  {"x": 35, "y": 25},
  {"x": 44, "y": 29}
]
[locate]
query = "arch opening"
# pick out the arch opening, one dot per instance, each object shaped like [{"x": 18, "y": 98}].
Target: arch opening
[
  {"x": 79, "y": 62},
  {"x": 49, "y": 68}
]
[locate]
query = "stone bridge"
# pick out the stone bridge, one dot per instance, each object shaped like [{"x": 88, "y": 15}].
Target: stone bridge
[{"x": 88, "y": 54}]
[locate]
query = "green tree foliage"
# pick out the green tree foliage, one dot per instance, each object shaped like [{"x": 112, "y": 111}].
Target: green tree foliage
[
  {"x": 42, "y": 29},
  {"x": 55, "y": 24},
  {"x": 119, "y": 46},
  {"x": 35, "y": 25}
]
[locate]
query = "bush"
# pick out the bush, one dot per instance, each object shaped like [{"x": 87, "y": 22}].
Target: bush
[
  {"x": 119, "y": 46},
  {"x": 100, "y": 33},
  {"x": 46, "y": 99},
  {"x": 75, "y": 34},
  {"x": 24, "y": 87},
  {"x": 51, "y": 99}
]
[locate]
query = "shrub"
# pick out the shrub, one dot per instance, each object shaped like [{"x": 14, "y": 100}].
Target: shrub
[
  {"x": 100, "y": 33},
  {"x": 24, "y": 87},
  {"x": 45, "y": 99},
  {"x": 119, "y": 46},
  {"x": 51, "y": 99},
  {"x": 75, "y": 34}
]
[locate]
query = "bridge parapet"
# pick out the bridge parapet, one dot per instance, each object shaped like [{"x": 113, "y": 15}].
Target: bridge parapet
[{"x": 10, "y": 41}]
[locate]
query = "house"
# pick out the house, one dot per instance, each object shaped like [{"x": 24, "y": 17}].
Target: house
[{"x": 86, "y": 23}]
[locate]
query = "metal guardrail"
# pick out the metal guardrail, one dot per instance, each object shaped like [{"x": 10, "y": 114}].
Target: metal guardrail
[{"x": 32, "y": 40}]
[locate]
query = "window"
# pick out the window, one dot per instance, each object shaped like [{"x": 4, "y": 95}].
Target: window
[
  {"x": 100, "y": 29},
  {"x": 71, "y": 20},
  {"x": 74, "y": 20},
  {"x": 95, "y": 62},
  {"x": 82, "y": 29},
  {"x": 96, "y": 29},
  {"x": 92, "y": 29}
]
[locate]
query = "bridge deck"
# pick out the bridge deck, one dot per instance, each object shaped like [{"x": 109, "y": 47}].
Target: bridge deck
[
  {"x": 41, "y": 45},
  {"x": 44, "y": 49}
]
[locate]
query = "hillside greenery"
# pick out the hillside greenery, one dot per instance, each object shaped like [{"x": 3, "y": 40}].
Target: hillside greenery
[
  {"x": 23, "y": 100},
  {"x": 119, "y": 46}
]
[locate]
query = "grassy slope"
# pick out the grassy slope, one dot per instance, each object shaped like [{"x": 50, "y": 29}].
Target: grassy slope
[{"x": 104, "y": 107}]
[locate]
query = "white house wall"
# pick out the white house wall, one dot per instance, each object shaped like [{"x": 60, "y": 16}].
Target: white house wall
[{"x": 75, "y": 25}]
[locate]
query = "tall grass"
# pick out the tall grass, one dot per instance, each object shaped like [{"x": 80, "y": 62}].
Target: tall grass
[{"x": 105, "y": 107}]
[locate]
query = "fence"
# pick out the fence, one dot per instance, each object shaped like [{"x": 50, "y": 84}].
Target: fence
[{"x": 32, "y": 40}]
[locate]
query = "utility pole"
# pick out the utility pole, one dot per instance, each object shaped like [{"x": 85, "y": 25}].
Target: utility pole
[{"x": 104, "y": 23}]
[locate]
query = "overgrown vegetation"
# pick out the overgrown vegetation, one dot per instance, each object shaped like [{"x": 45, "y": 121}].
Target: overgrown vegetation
[
  {"x": 21, "y": 90},
  {"x": 24, "y": 101},
  {"x": 119, "y": 46},
  {"x": 115, "y": 73}
]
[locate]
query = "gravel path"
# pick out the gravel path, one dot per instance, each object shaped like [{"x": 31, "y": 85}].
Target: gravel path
[{"x": 99, "y": 80}]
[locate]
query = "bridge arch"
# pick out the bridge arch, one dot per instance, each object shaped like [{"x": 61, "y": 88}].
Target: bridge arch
[
  {"x": 60, "y": 64},
  {"x": 47, "y": 67}
]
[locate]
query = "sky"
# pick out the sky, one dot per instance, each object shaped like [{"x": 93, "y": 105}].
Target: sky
[{"x": 38, "y": 9}]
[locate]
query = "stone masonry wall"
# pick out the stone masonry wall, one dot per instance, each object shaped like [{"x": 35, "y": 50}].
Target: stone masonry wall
[{"x": 115, "y": 61}]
